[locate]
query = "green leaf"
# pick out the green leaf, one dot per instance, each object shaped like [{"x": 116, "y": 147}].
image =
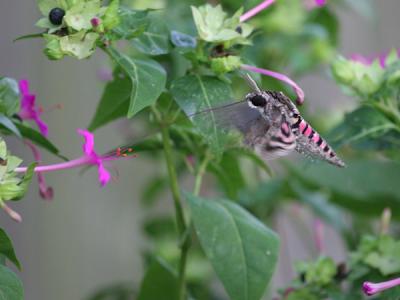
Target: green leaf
[
  {"x": 114, "y": 102},
  {"x": 366, "y": 129},
  {"x": 155, "y": 38},
  {"x": 116, "y": 291},
  {"x": 357, "y": 187},
  {"x": 38, "y": 139},
  {"x": 132, "y": 23},
  {"x": 194, "y": 94},
  {"x": 9, "y": 96},
  {"x": 111, "y": 17},
  {"x": 7, "y": 249},
  {"x": 241, "y": 249},
  {"x": 7, "y": 123},
  {"x": 159, "y": 282},
  {"x": 147, "y": 76},
  {"x": 10, "y": 286}
]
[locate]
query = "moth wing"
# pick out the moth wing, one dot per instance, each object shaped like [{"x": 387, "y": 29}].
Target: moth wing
[{"x": 236, "y": 115}]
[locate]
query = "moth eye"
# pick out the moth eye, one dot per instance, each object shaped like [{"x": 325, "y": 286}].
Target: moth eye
[{"x": 258, "y": 100}]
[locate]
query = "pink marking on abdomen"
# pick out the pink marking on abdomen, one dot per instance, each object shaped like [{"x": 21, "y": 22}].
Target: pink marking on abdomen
[
  {"x": 323, "y": 144},
  {"x": 285, "y": 128},
  {"x": 303, "y": 125},
  {"x": 308, "y": 131},
  {"x": 315, "y": 137}
]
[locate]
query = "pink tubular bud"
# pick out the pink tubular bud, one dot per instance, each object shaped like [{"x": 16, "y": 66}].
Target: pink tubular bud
[{"x": 95, "y": 22}]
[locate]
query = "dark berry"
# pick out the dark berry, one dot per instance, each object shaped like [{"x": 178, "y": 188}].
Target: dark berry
[{"x": 56, "y": 16}]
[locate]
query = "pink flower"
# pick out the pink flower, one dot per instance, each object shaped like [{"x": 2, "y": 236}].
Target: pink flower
[
  {"x": 256, "y": 10},
  {"x": 89, "y": 157},
  {"x": 299, "y": 92},
  {"x": 368, "y": 60},
  {"x": 46, "y": 192},
  {"x": 371, "y": 288},
  {"x": 28, "y": 110},
  {"x": 94, "y": 158},
  {"x": 320, "y": 2}
]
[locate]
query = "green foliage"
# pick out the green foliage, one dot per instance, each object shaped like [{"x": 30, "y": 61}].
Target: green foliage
[
  {"x": 11, "y": 186},
  {"x": 320, "y": 272},
  {"x": 159, "y": 282},
  {"x": 147, "y": 77},
  {"x": 10, "y": 286},
  {"x": 9, "y": 96},
  {"x": 154, "y": 39},
  {"x": 381, "y": 253},
  {"x": 7, "y": 249},
  {"x": 241, "y": 249},
  {"x": 165, "y": 75}
]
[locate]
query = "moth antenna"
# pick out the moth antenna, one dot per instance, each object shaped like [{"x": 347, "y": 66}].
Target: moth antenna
[{"x": 252, "y": 82}]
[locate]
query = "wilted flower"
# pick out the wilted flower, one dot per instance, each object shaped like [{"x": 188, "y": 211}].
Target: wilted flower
[
  {"x": 371, "y": 288},
  {"x": 45, "y": 191},
  {"x": 28, "y": 110}
]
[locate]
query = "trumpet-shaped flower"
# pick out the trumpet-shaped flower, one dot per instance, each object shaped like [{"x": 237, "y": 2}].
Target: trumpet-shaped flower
[
  {"x": 371, "y": 288},
  {"x": 29, "y": 111},
  {"x": 89, "y": 157},
  {"x": 299, "y": 92}
]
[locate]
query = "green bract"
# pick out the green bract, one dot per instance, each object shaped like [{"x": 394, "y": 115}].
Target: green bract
[
  {"x": 363, "y": 79},
  {"x": 221, "y": 65},
  {"x": 80, "y": 45},
  {"x": 78, "y": 16},
  {"x": 78, "y": 33},
  {"x": 320, "y": 272},
  {"x": 11, "y": 186},
  {"x": 213, "y": 26}
]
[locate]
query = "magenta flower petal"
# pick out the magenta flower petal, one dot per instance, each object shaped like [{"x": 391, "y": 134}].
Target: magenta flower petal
[
  {"x": 371, "y": 288},
  {"x": 88, "y": 146},
  {"x": 299, "y": 92},
  {"x": 320, "y": 2},
  {"x": 23, "y": 85},
  {"x": 104, "y": 175},
  {"x": 28, "y": 110}
]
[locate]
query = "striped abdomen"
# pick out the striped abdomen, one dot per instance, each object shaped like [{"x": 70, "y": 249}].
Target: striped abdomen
[{"x": 310, "y": 141}]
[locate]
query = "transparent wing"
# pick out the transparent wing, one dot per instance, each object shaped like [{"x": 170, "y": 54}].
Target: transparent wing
[{"x": 237, "y": 115}]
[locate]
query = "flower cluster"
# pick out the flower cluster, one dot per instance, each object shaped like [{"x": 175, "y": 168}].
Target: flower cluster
[
  {"x": 74, "y": 27},
  {"x": 364, "y": 74}
]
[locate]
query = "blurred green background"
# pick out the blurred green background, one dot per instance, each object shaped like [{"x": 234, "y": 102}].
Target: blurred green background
[{"x": 89, "y": 237}]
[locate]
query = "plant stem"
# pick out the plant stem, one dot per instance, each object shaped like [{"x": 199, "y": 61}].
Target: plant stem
[
  {"x": 200, "y": 174},
  {"x": 180, "y": 219}
]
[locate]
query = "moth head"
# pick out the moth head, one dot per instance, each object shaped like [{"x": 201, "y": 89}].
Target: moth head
[{"x": 257, "y": 100}]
